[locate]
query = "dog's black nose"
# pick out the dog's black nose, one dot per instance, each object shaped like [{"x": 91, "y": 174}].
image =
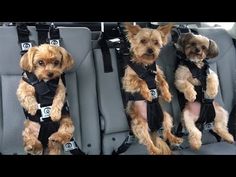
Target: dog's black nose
[
  {"x": 50, "y": 74},
  {"x": 197, "y": 50},
  {"x": 149, "y": 51}
]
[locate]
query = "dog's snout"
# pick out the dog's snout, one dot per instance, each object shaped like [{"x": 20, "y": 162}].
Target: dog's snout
[
  {"x": 149, "y": 51},
  {"x": 50, "y": 74},
  {"x": 197, "y": 50}
]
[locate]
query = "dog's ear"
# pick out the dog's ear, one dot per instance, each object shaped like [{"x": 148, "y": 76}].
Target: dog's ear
[
  {"x": 165, "y": 30},
  {"x": 183, "y": 40},
  {"x": 213, "y": 49},
  {"x": 132, "y": 30},
  {"x": 26, "y": 61},
  {"x": 67, "y": 60}
]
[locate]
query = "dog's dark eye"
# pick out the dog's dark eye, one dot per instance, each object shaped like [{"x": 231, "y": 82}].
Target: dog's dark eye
[
  {"x": 156, "y": 42},
  {"x": 193, "y": 44},
  {"x": 56, "y": 63},
  {"x": 143, "y": 41},
  {"x": 41, "y": 63},
  {"x": 203, "y": 47}
]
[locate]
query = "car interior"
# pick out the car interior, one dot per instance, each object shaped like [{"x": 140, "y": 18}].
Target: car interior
[{"x": 95, "y": 94}]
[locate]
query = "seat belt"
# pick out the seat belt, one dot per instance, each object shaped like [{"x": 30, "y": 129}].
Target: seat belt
[
  {"x": 107, "y": 63},
  {"x": 120, "y": 52},
  {"x": 123, "y": 58},
  {"x": 23, "y": 38}
]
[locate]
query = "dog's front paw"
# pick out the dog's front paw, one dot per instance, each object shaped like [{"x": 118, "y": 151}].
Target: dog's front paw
[
  {"x": 34, "y": 148},
  {"x": 60, "y": 138},
  {"x": 211, "y": 92},
  {"x": 190, "y": 95},
  {"x": 167, "y": 96},
  {"x": 160, "y": 144},
  {"x": 195, "y": 141},
  {"x": 147, "y": 95},
  {"x": 55, "y": 114},
  {"x": 154, "y": 151},
  {"x": 229, "y": 138},
  {"x": 32, "y": 109}
]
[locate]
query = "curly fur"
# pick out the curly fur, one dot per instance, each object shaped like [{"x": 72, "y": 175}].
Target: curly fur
[{"x": 46, "y": 62}]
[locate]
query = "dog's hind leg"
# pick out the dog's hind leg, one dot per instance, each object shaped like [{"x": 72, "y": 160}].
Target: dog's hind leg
[
  {"x": 30, "y": 137},
  {"x": 62, "y": 136},
  {"x": 159, "y": 143},
  {"x": 195, "y": 134},
  {"x": 167, "y": 127},
  {"x": 220, "y": 124},
  {"x": 140, "y": 128}
]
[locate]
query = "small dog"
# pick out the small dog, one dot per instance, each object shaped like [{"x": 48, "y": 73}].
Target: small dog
[
  {"x": 196, "y": 49},
  {"x": 145, "y": 48},
  {"x": 46, "y": 62}
]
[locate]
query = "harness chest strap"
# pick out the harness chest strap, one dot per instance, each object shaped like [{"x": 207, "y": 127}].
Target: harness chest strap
[
  {"x": 207, "y": 113},
  {"x": 154, "y": 111}
]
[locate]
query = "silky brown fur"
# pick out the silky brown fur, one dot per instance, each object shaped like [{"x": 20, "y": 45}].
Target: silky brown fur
[{"x": 146, "y": 45}]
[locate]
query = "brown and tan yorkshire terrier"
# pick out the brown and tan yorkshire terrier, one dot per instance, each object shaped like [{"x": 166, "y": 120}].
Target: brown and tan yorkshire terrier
[
  {"x": 196, "y": 49},
  {"x": 46, "y": 62},
  {"x": 145, "y": 46}
]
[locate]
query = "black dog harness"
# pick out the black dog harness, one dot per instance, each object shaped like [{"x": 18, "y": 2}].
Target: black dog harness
[
  {"x": 207, "y": 111},
  {"x": 154, "y": 110},
  {"x": 45, "y": 92}
]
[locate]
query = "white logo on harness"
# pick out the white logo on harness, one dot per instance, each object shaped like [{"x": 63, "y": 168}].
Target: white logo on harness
[
  {"x": 154, "y": 93},
  {"x": 45, "y": 112},
  {"x": 55, "y": 42},
  {"x": 25, "y": 46},
  {"x": 69, "y": 146}
]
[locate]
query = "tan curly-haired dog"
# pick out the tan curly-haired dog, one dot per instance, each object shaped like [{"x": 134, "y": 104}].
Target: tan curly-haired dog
[
  {"x": 145, "y": 48},
  {"x": 197, "y": 48},
  {"x": 46, "y": 62}
]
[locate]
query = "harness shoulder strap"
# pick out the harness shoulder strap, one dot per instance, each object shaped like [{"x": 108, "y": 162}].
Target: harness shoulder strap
[
  {"x": 147, "y": 74},
  {"x": 23, "y": 37},
  {"x": 54, "y": 36}
]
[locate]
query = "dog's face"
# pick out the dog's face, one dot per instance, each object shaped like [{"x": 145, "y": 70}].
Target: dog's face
[
  {"x": 147, "y": 43},
  {"x": 46, "y": 61},
  {"x": 197, "y": 47}
]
